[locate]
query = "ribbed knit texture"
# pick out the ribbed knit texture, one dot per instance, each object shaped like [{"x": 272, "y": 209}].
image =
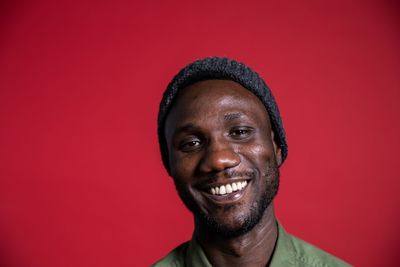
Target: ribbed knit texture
[{"x": 223, "y": 69}]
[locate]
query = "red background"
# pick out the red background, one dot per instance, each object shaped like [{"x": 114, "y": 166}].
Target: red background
[{"x": 81, "y": 180}]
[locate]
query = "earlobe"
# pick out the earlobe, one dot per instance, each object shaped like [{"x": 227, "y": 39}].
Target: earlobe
[{"x": 277, "y": 150}]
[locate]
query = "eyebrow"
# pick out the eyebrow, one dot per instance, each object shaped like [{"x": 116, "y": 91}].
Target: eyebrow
[
  {"x": 232, "y": 116},
  {"x": 186, "y": 128},
  {"x": 191, "y": 127}
]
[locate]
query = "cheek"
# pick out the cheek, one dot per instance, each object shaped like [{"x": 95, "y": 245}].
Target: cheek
[
  {"x": 258, "y": 150},
  {"x": 182, "y": 166},
  {"x": 260, "y": 154}
]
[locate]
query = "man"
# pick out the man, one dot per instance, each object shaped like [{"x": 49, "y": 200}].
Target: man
[{"x": 222, "y": 140}]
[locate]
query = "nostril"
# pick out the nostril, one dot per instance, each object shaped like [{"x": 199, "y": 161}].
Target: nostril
[{"x": 219, "y": 160}]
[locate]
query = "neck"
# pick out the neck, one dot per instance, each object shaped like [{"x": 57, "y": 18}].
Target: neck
[{"x": 254, "y": 248}]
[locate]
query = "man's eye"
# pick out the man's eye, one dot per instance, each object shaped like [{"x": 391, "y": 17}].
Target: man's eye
[
  {"x": 190, "y": 145},
  {"x": 239, "y": 133}
]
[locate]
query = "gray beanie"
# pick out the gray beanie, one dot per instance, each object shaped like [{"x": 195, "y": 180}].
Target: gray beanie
[{"x": 222, "y": 69}]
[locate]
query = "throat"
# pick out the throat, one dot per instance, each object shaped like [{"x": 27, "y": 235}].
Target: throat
[{"x": 254, "y": 248}]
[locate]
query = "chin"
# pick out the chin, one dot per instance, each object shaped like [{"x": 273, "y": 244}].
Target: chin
[
  {"x": 235, "y": 226},
  {"x": 238, "y": 225},
  {"x": 232, "y": 224}
]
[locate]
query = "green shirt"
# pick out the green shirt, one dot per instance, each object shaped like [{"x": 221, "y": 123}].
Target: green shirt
[{"x": 289, "y": 251}]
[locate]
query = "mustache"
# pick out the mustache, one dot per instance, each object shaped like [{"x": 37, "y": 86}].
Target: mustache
[
  {"x": 226, "y": 174},
  {"x": 232, "y": 174}
]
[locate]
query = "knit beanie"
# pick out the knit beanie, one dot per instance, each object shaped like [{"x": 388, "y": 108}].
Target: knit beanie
[{"x": 222, "y": 69}]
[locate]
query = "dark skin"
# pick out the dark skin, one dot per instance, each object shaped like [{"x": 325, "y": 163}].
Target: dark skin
[{"x": 219, "y": 133}]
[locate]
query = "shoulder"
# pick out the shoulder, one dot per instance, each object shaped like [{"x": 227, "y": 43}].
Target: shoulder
[
  {"x": 175, "y": 258},
  {"x": 305, "y": 254}
]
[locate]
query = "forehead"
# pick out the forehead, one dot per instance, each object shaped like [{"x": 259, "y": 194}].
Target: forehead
[
  {"x": 213, "y": 97},
  {"x": 216, "y": 88}
]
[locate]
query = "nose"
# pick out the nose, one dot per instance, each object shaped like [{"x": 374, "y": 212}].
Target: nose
[{"x": 219, "y": 156}]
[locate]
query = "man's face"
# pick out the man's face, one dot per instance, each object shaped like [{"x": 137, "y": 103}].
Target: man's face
[{"x": 222, "y": 155}]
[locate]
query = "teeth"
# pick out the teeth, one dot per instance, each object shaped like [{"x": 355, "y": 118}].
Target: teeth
[
  {"x": 222, "y": 190},
  {"x": 239, "y": 186},
  {"x": 228, "y": 188},
  {"x": 234, "y": 187}
]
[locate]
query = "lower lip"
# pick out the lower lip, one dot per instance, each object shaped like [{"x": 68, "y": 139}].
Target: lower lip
[{"x": 227, "y": 198}]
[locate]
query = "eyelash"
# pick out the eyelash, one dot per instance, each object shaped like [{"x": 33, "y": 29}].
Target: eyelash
[
  {"x": 241, "y": 132},
  {"x": 189, "y": 144},
  {"x": 194, "y": 143}
]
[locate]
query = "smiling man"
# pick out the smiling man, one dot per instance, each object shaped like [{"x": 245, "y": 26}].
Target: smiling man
[{"x": 222, "y": 140}]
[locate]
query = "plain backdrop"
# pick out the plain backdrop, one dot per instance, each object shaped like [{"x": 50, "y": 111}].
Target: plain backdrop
[{"x": 81, "y": 179}]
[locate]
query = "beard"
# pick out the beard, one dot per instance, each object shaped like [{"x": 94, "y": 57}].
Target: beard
[{"x": 247, "y": 222}]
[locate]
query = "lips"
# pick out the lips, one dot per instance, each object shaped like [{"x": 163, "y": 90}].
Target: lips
[
  {"x": 227, "y": 193},
  {"x": 228, "y": 188}
]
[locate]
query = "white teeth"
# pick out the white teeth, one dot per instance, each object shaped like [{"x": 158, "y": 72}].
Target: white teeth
[
  {"x": 222, "y": 190},
  {"x": 228, "y": 188},
  {"x": 239, "y": 186},
  {"x": 234, "y": 187}
]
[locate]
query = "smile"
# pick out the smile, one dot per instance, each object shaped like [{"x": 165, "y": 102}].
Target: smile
[
  {"x": 228, "y": 188},
  {"x": 226, "y": 193}
]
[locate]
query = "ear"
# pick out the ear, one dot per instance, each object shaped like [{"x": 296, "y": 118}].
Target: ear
[{"x": 277, "y": 150}]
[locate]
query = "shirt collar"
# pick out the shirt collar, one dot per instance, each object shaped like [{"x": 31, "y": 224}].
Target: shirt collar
[{"x": 282, "y": 255}]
